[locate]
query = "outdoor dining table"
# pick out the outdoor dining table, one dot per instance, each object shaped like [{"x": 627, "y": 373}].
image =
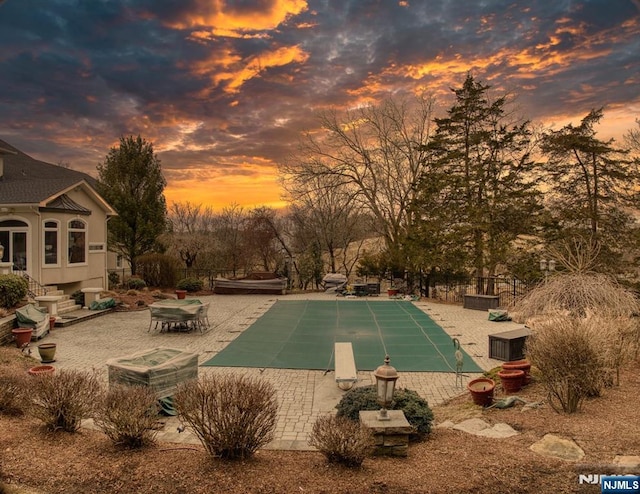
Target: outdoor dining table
[{"x": 179, "y": 315}]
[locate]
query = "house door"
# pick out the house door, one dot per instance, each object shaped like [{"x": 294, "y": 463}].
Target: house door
[{"x": 13, "y": 237}]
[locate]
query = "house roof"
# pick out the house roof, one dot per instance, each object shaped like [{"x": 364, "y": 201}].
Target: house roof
[{"x": 26, "y": 180}]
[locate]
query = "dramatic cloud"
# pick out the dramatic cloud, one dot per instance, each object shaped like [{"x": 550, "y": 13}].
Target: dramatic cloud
[{"x": 223, "y": 88}]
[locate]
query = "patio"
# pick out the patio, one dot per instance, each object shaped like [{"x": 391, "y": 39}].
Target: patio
[{"x": 303, "y": 394}]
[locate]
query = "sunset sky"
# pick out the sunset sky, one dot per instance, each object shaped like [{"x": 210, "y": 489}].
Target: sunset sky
[{"x": 223, "y": 88}]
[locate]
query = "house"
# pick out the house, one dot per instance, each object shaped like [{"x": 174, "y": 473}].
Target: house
[{"x": 53, "y": 223}]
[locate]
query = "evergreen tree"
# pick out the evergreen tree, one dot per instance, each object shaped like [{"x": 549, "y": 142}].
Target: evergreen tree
[
  {"x": 591, "y": 186},
  {"x": 131, "y": 180},
  {"x": 479, "y": 193}
]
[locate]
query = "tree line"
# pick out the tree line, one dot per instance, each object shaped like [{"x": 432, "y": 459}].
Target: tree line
[{"x": 393, "y": 190}]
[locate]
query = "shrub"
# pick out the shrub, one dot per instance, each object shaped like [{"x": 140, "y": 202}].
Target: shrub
[
  {"x": 61, "y": 400},
  {"x": 572, "y": 356},
  {"x": 78, "y": 297},
  {"x": 341, "y": 440},
  {"x": 13, "y": 288},
  {"x": 128, "y": 416},
  {"x": 136, "y": 284},
  {"x": 12, "y": 390},
  {"x": 158, "y": 270},
  {"x": 415, "y": 408},
  {"x": 578, "y": 295},
  {"x": 190, "y": 284},
  {"x": 232, "y": 416},
  {"x": 114, "y": 279}
]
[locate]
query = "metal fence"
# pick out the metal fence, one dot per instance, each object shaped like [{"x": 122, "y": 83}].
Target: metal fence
[{"x": 454, "y": 289}]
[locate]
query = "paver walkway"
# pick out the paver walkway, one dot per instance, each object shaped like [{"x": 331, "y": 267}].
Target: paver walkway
[{"x": 303, "y": 394}]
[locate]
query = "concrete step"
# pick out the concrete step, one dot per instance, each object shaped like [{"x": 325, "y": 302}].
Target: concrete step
[
  {"x": 67, "y": 305},
  {"x": 70, "y": 308}
]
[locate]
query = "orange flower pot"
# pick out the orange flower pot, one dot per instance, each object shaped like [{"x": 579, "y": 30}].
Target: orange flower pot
[{"x": 41, "y": 370}]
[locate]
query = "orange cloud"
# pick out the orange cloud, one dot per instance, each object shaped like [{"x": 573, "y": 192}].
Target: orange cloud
[
  {"x": 232, "y": 70},
  {"x": 223, "y": 18}
]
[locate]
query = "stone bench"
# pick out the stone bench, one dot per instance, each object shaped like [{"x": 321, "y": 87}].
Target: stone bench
[
  {"x": 345, "y": 366},
  {"x": 91, "y": 295},
  {"x": 50, "y": 303}
]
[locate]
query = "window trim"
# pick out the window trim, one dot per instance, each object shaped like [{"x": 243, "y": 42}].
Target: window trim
[
  {"x": 58, "y": 230},
  {"x": 84, "y": 230}
]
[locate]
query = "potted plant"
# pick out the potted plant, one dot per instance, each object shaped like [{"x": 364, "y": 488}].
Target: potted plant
[
  {"x": 511, "y": 380},
  {"x": 481, "y": 390},
  {"x": 47, "y": 352},
  {"x": 181, "y": 294},
  {"x": 523, "y": 365},
  {"x": 22, "y": 336}
]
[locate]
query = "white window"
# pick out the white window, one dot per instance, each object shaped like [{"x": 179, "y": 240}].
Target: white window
[
  {"x": 51, "y": 246},
  {"x": 77, "y": 242}
]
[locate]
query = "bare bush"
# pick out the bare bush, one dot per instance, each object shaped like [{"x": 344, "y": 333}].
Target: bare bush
[
  {"x": 128, "y": 415},
  {"x": 12, "y": 390},
  {"x": 574, "y": 359},
  {"x": 63, "y": 399},
  {"x": 233, "y": 416},
  {"x": 342, "y": 440},
  {"x": 576, "y": 295}
]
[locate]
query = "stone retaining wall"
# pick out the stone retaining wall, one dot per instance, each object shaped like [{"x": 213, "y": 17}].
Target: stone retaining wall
[{"x": 6, "y": 325}]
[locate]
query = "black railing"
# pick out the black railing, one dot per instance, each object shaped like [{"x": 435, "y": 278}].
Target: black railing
[
  {"x": 34, "y": 289},
  {"x": 455, "y": 288}
]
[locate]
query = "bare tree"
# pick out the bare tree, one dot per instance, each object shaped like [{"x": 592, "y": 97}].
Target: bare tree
[
  {"x": 325, "y": 215},
  {"x": 191, "y": 226},
  {"x": 229, "y": 233},
  {"x": 374, "y": 153}
]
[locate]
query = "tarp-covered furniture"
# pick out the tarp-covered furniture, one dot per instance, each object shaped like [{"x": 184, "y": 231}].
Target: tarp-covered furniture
[
  {"x": 161, "y": 369},
  {"x": 30, "y": 316},
  {"x": 185, "y": 314}
]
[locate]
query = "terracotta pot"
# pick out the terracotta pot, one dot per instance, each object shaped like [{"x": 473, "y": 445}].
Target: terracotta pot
[
  {"x": 52, "y": 323},
  {"x": 22, "y": 336},
  {"x": 391, "y": 292},
  {"x": 523, "y": 365},
  {"x": 511, "y": 380},
  {"x": 481, "y": 390},
  {"x": 181, "y": 294},
  {"x": 41, "y": 370},
  {"x": 47, "y": 352}
]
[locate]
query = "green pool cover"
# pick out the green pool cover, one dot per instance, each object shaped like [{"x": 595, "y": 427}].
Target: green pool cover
[{"x": 301, "y": 335}]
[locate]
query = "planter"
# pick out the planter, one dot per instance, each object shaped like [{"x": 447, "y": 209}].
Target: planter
[
  {"x": 41, "y": 370},
  {"x": 523, "y": 365},
  {"x": 392, "y": 291},
  {"x": 481, "y": 390},
  {"x": 511, "y": 380},
  {"x": 22, "y": 336},
  {"x": 47, "y": 352},
  {"x": 181, "y": 294},
  {"x": 52, "y": 323}
]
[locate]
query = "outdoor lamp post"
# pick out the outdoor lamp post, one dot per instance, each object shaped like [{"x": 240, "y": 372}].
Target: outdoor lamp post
[
  {"x": 386, "y": 377},
  {"x": 547, "y": 267},
  {"x": 1, "y": 252}
]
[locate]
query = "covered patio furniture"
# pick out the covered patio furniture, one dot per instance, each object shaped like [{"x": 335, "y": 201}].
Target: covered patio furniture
[
  {"x": 160, "y": 369},
  {"x": 30, "y": 316},
  {"x": 179, "y": 315}
]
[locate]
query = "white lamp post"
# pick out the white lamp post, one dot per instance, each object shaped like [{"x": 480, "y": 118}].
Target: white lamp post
[{"x": 386, "y": 377}]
